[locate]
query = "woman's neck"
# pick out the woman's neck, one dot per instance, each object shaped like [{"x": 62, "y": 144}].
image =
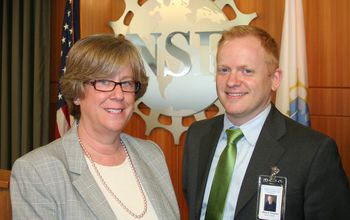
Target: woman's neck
[{"x": 104, "y": 149}]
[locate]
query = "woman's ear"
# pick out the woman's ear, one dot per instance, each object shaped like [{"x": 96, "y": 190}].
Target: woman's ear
[{"x": 76, "y": 101}]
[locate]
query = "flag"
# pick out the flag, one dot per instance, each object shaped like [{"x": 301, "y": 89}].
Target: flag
[
  {"x": 291, "y": 97},
  {"x": 70, "y": 34}
]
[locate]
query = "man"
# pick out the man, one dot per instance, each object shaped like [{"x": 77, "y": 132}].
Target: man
[
  {"x": 270, "y": 204},
  {"x": 247, "y": 75}
]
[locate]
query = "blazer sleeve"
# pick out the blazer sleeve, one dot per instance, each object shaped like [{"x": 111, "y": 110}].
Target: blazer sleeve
[
  {"x": 327, "y": 194},
  {"x": 29, "y": 196}
]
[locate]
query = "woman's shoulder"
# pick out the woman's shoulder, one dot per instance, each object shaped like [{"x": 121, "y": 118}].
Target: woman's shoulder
[
  {"x": 139, "y": 144},
  {"x": 43, "y": 156},
  {"x": 44, "y": 150}
]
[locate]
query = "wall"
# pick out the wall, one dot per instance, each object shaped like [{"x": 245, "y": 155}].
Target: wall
[{"x": 327, "y": 26}]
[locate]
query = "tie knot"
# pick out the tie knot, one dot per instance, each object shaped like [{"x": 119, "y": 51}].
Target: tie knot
[{"x": 234, "y": 135}]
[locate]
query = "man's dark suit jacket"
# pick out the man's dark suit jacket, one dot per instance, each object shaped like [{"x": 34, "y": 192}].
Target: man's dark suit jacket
[{"x": 317, "y": 187}]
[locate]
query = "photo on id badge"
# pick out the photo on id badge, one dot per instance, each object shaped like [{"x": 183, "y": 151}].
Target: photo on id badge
[
  {"x": 271, "y": 197},
  {"x": 270, "y": 202}
]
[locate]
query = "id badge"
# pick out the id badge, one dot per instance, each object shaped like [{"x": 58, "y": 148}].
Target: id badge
[{"x": 271, "y": 202}]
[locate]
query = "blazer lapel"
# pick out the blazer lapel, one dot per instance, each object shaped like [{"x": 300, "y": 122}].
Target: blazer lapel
[
  {"x": 149, "y": 184},
  {"x": 266, "y": 154},
  {"x": 82, "y": 179},
  {"x": 206, "y": 153},
  {"x": 92, "y": 195}
]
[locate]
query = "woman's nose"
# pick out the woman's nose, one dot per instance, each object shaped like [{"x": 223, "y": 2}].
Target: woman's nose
[{"x": 117, "y": 93}]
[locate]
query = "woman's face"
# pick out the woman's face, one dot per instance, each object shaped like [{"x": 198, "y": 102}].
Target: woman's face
[{"x": 107, "y": 112}]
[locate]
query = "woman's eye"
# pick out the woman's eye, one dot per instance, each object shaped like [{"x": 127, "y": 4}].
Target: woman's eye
[
  {"x": 126, "y": 83},
  {"x": 104, "y": 82}
]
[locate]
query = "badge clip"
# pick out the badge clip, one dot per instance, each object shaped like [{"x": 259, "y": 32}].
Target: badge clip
[{"x": 274, "y": 171}]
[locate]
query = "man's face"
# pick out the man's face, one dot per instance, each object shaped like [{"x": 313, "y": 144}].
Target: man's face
[
  {"x": 243, "y": 81},
  {"x": 269, "y": 199}
]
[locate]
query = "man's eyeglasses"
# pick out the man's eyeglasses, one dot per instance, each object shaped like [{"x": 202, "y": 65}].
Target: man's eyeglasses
[{"x": 104, "y": 85}]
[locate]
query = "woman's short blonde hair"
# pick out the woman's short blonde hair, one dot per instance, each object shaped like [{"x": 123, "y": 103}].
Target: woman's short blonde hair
[
  {"x": 267, "y": 42},
  {"x": 99, "y": 57}
]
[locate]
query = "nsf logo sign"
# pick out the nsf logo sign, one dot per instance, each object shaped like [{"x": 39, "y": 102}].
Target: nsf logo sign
[{"x": 177, "y": 40}]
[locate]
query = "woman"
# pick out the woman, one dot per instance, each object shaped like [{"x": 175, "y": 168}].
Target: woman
[{"x": 95, "y": 171}]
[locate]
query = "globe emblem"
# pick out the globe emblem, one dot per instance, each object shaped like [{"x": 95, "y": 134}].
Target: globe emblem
[{"x": 177, "y": 40}]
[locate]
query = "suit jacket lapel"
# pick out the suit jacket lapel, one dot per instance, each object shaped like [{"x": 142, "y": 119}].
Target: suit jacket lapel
[
  {"x": 267, "y": 153},
  {"x": 82, "y": 179},
  {"x": 206, "y": 152}
]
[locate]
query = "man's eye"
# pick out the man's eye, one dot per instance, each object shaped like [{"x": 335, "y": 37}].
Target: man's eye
[
  {"x": 223, "y": 70},
  {"x": 246, "y": 71}
]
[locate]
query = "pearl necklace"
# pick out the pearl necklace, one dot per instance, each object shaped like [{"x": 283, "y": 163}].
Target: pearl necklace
[{"x": 105, "y": 185}]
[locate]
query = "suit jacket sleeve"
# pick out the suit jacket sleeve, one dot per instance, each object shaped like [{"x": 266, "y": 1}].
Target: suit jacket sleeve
[{"x": 326, "y": 191}]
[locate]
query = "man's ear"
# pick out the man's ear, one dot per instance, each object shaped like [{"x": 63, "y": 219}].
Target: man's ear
[{"x": 276, "y": 78}]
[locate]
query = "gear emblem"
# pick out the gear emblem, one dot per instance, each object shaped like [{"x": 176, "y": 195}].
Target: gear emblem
[{"x": 177, "y": 40}]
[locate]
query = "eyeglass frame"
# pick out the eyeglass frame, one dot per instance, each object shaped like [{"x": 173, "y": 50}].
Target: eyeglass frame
[{"x": 137, "y": 85}]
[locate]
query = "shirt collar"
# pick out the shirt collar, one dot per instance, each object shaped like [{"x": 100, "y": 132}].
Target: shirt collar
[{"x": 250, "y": 129}]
